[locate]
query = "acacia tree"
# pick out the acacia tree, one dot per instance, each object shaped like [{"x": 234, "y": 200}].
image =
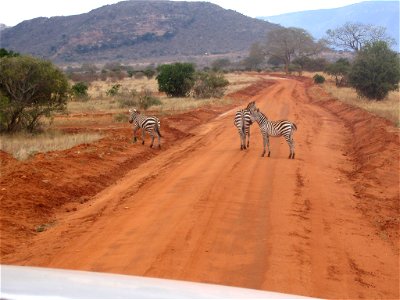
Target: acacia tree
[
  {"x": 340, "y": 69},
  {"x": 256, "y": 57},
  {"x": 375, "y": 71},
  {"x": 353, "y": 36},
  {"x": 288, "y": 43},
  {"x": 29, "y": 89}
]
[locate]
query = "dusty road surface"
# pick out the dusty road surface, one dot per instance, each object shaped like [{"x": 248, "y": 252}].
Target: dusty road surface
[{"x": 322, "y": 225}]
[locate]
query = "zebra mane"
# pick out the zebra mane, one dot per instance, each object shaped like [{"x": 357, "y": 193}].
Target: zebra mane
[{"x": 262, "y": 114}]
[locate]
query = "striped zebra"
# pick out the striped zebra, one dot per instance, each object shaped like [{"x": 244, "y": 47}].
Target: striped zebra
[
  {"x": 242, "y": 122},
  {"x": 149, "y": 124},
  {"x": 275, "y": 129}
]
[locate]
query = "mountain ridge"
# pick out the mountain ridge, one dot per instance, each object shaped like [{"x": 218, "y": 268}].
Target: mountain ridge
[
  {"x": 130, "y": 30},
  {"x": 317, "y": 22}
]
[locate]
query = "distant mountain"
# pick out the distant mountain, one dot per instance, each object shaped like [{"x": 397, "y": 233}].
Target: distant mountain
[
  {"x": 317, "y": 22},
  {"x": 2, "y": 26},
  {"x": 137, "y": 29}
]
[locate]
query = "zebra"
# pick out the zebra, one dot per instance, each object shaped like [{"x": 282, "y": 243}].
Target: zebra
[
  {"x": 242, "y": 122},
  {"x": 149, "y": 124},
  {"x": 275, "y": 129}
]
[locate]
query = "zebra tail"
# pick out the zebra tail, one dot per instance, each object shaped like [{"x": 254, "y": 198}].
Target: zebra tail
[{"x": 294, "y": 126}]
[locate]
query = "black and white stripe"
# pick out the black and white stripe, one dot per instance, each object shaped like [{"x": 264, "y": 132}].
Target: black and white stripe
[
  {"x": 242, "y": 122},
  {"x": 275, "y": 129},
  {"x": 149, "y": 124}
]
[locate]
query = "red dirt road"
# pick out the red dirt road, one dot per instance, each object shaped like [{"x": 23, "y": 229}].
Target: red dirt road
[{"x": 324, "y": 224}]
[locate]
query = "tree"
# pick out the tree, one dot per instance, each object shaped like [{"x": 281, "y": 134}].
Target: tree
[
  {"x": 79, "y": 90},
  {"x": 209, "y": 84},
  {"x": 375, "y": 71},
  {"x": 256, "y": 57},
  {"x": 288, "y": 43},
  {"x": 176, "y": 80},
  {"x": 220, "y": 64},
  {"x": 353, "y": 36},
  {"x": 340, "y": 69},
  {"x": 5, "y": 53},
  {"x": 29, "y": 89}
]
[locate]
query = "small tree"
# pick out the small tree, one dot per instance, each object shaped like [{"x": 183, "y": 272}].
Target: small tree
[
  {"x": 289, "y": 43},
  {"x": 340, "y": 70},
  {"x": 176, "y": 80},
  {"x": 375, "y": 71},
  {"x": 256, "y": 57},
  {"x": 29, "y": 89},
  {"x": 79, "y": 90},
  {"x": 209, "y": 85}
]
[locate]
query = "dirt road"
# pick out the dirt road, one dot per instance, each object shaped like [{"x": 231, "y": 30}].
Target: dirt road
[{"x": 203, "y": 210}]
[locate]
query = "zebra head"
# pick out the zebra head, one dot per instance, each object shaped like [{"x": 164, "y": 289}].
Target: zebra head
[
  {"x": 132, "y": 115},
  {"x": 251, "y": 106},
  {"x": 255, "y": 114}
]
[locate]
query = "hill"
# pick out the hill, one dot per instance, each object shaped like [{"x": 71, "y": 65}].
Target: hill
[
  {"x": 317, "y": 22},
  {"x": 131, "y": 30}
]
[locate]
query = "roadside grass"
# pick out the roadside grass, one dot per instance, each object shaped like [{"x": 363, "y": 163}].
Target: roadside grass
[
  {"x": 388, "y": 108},
  {"x": 99, "y": 101},
  {"x": 22, "y": 146},
  {"x": 88, "y": 112}
]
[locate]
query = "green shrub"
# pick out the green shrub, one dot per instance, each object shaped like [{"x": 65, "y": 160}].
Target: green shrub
[
  {"x": 319, "y": 79},
  {"x": 176, "y": 80},
  {"x": 375, "y": 71},
  {"x": 30, "y": 88},
  {"x": 79, "y": 90},
  {"x": 113, "y": 91},
  {"x": 209, "y": 85},
  {"x": 146, "y": 99}
]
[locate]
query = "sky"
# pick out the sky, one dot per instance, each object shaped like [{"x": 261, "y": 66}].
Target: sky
[{"x": 13, "y": 12}]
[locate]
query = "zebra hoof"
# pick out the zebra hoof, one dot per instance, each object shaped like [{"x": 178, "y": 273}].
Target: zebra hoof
[
  {"x": 151, "y": 146},
  {"x": 269, "y": 154}
]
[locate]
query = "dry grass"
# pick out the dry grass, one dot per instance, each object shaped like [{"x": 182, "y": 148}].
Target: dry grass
[
  {"x": 100, "y": 102},
  {"x": 389, "y": 108},
  {"x": 23, "y": 146}
]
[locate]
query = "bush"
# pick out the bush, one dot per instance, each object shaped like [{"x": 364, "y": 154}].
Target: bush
[
  {"x": 30, "y": 88},
  {"x": 176, "y": 80},
  {"x": 79, "y": 90},
  {"x": 319, "y": 79},
  {"x": 340, "y": 70},
  {"x": 146, "y": 99},
  {"x": 209, "y": 85},
  {"x": 113, "y": 91},
  {"x": 120, "y": 118},
  {"x": 375, "y": 71}
]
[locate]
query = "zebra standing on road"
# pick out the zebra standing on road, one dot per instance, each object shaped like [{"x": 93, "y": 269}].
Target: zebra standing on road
[
  {"x": 275, "y": 129},
  {"x": 243, "y": 122},
  {"x": 149, "y": 124}
]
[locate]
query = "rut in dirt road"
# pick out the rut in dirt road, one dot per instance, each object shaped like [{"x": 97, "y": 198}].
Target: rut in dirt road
[{"x": 205, "y": 211}]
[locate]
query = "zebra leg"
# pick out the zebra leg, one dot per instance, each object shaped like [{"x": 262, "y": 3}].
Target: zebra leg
[
  {"x": 290, "y": 142},
  {"x": 269, "y": 152},
  {"x": 242, "y": 146},
  {"x": 292, "y": 148},
  {"x": 152, "y": 139},
  {"x": 265, "y": 141},
  {"x": 134, "y": 134},
  {"x": 248, "y": 138},
  {"x": 143, "y": 133}
]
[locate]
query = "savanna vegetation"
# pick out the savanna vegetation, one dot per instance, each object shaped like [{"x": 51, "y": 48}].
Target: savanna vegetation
[{"x": 33, "y": 92}]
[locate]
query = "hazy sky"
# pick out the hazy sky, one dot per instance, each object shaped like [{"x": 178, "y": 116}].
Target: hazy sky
[{"x": 13, "y": 12}]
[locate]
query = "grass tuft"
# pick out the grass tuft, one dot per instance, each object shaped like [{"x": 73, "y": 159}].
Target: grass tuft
[{"x": 23, "y": 146}]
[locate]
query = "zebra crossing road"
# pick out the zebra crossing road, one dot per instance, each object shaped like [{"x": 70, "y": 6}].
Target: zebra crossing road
[{"x": 205, "y": 211}]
